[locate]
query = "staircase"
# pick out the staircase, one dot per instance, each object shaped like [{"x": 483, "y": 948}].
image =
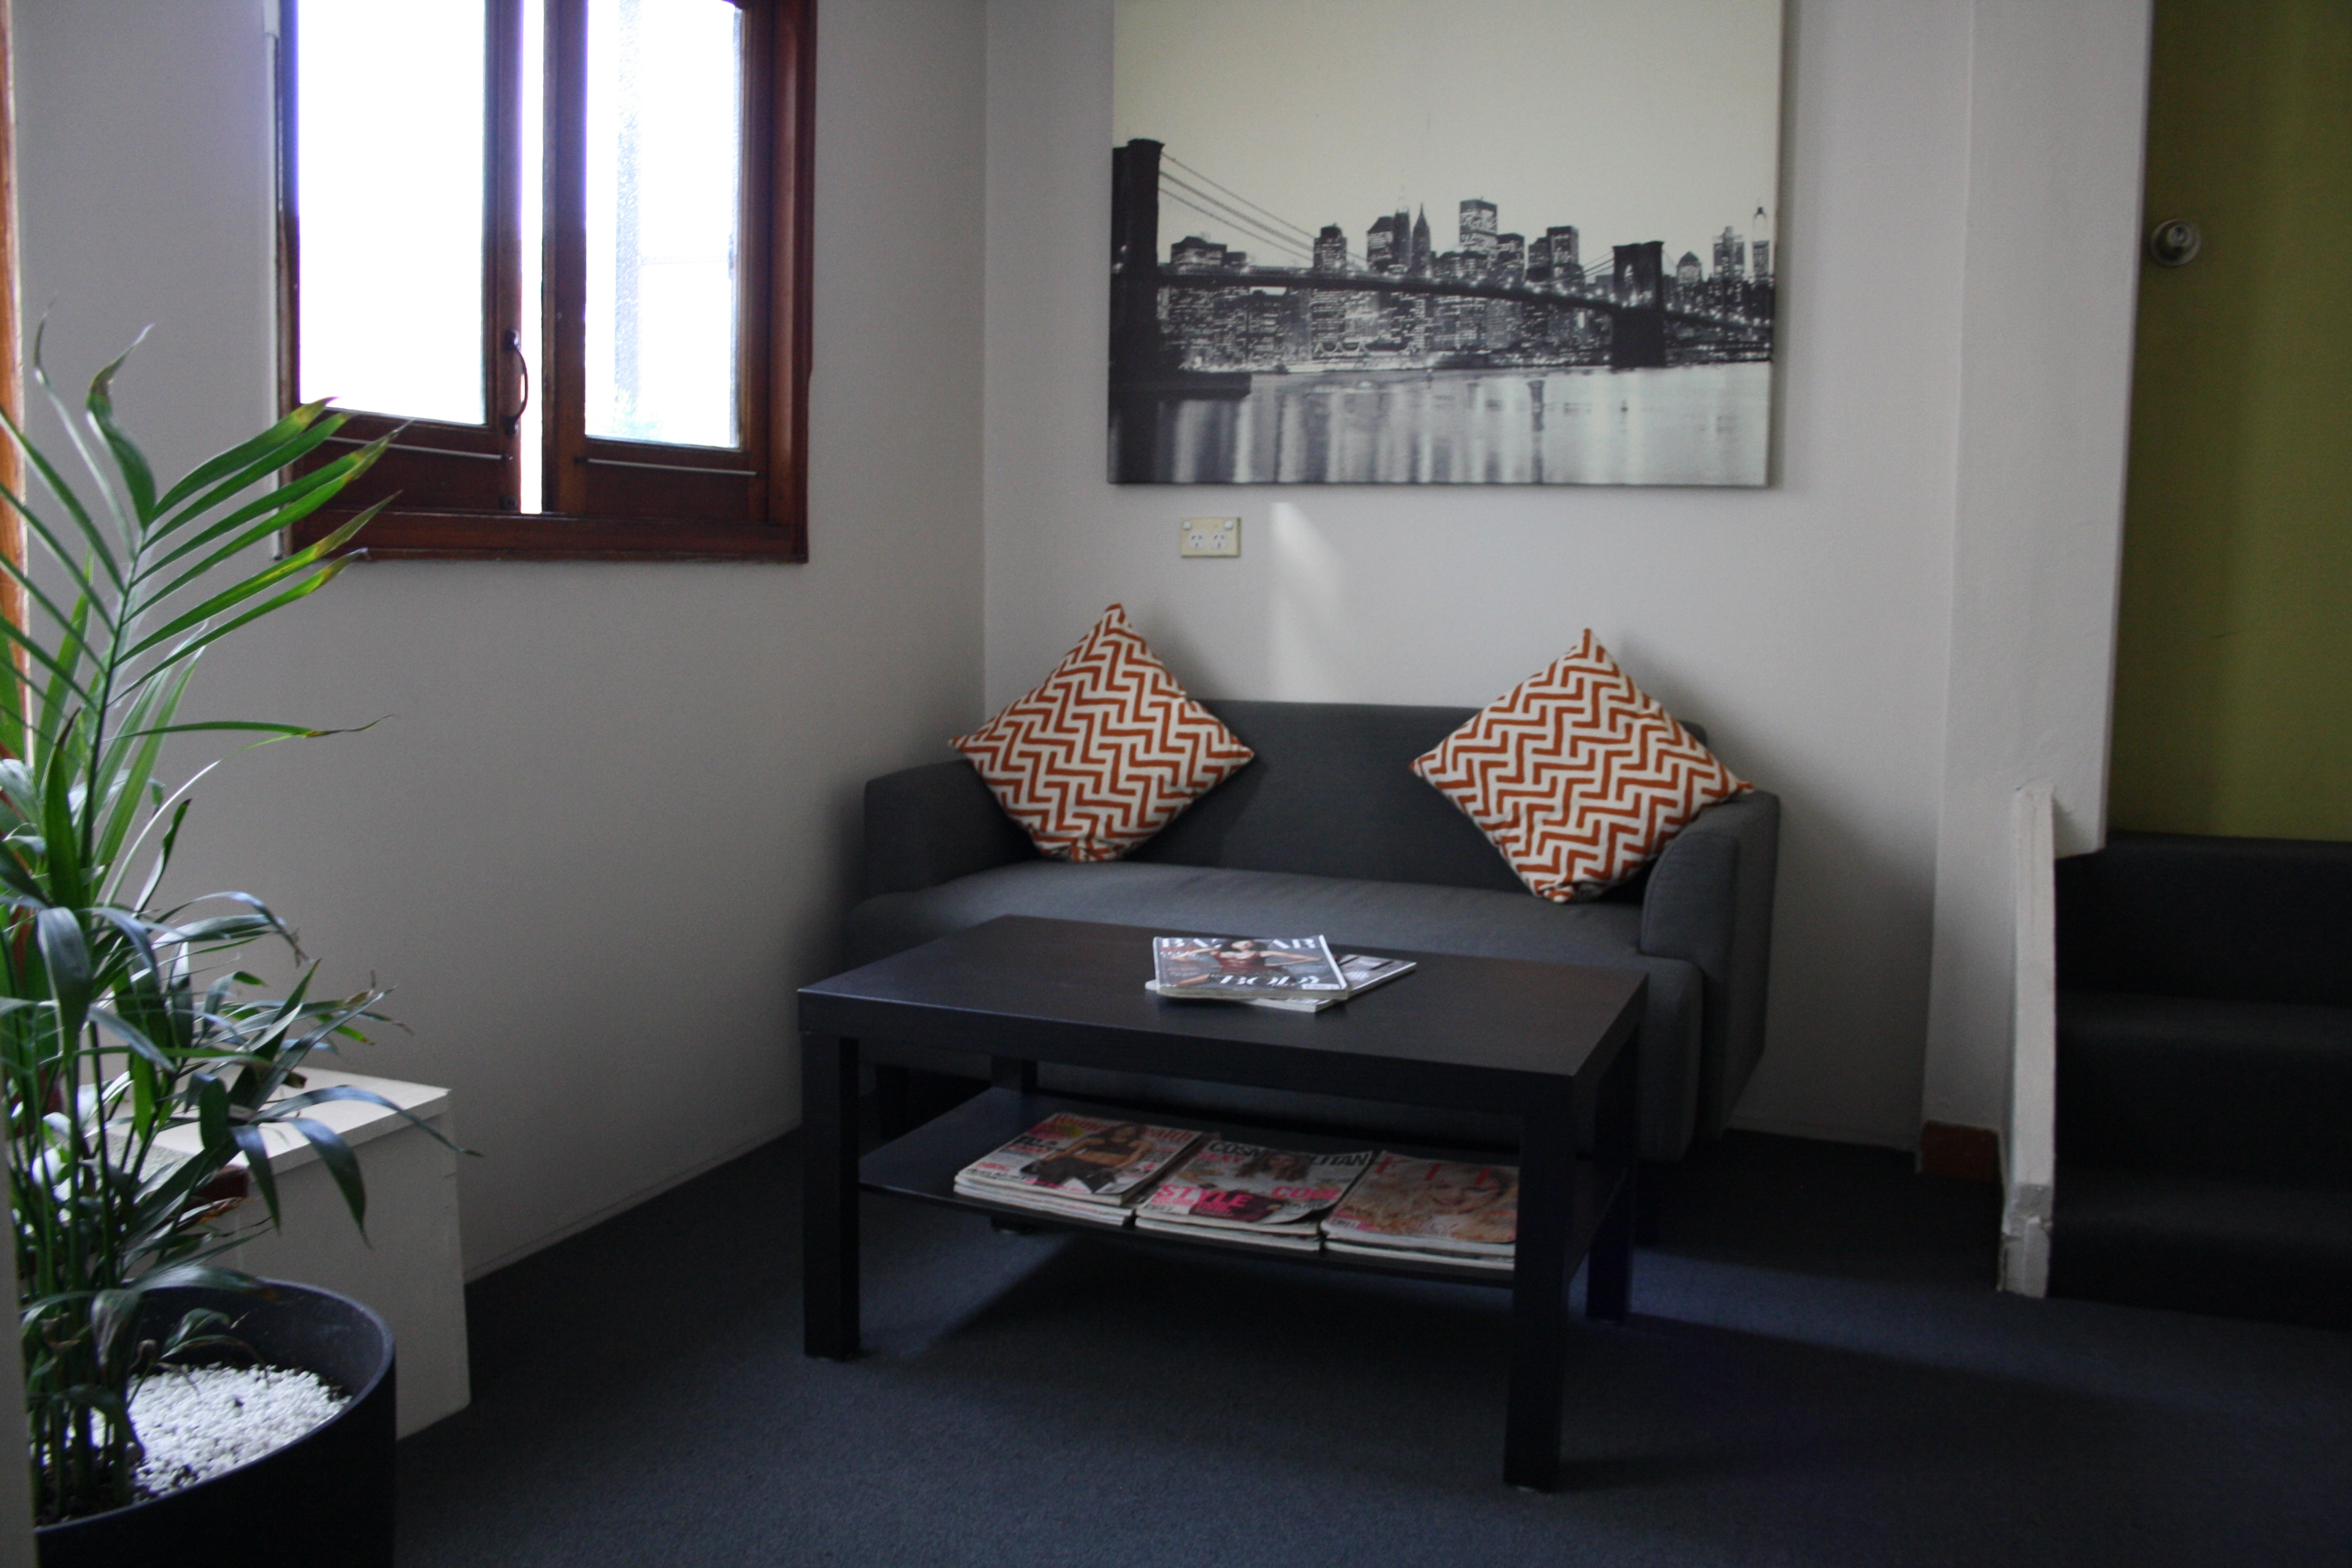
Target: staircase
[{"x": 2205, "y": 1077}]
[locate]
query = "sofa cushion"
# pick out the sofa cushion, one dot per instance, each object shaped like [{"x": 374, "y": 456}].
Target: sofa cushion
[
  {"x": 1354, "y": 914},
  {"x": 1577, "y": 774},
  {"x": 1105, "y": 750}
]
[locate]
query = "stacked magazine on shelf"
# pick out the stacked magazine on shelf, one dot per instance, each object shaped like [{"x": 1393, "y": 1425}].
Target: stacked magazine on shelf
[
  {"x": 1429, "y": 1210},
  {"x": 1248, "y": 1192},
  {"x": 1256, "y": 970},
  {"x": 1078, "y": 1167}
]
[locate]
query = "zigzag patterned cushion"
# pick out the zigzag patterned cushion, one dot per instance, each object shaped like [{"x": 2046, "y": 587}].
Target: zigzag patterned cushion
[
  {"x": 1106, "y": 752},
  {"x": 1576, "y": 775}
]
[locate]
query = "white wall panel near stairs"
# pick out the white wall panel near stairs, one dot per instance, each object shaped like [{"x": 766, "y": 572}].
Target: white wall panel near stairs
[{"x": 2028, "y": 1142}]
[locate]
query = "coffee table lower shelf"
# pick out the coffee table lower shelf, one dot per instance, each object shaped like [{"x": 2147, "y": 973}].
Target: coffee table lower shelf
[
  {"x": 923, "y": 1164},
  {"x": 1550, "y": 1046}
]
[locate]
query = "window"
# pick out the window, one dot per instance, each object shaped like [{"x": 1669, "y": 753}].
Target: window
[{"x": 560, "y": 248}]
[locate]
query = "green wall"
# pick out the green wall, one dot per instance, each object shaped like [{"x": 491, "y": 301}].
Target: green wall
[{"x": 2233, "y": 682}]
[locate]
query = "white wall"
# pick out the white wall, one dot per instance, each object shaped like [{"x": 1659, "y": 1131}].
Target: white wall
[
  {"x": 608, "y": 821},
  {"x": 1811, "y": 626},
  {"x": 2057, "y": 119}
]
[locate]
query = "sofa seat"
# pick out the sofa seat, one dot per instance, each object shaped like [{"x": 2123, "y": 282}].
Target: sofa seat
[{"x": 1354, "y": 914}]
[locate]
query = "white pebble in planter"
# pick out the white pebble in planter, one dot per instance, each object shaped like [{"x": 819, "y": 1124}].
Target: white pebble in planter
[
  {"x": 324, "y": 1496},
  {"x": 197, "y": 1421}
]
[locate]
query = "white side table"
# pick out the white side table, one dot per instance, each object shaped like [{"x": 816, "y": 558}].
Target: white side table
[{"x": 409, "y": 1268}]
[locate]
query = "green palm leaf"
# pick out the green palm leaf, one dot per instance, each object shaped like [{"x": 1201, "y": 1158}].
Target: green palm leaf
[{"x": 116, "y": 1022}]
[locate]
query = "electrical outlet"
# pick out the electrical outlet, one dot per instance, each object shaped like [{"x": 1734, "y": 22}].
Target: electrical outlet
[{"x": 1209, "y": 536}]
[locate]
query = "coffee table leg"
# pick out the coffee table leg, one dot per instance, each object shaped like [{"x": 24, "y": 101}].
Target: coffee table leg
[
  {"x": 1609, "y": 1287},
  {"x": 1617, "y": 1139},
  {"x": 829, "y": 1185},
  {"x": 1016, "y": 1073},
  {"x": 1540, "y": 1297},
  {"x": 893, "y": 1100}
]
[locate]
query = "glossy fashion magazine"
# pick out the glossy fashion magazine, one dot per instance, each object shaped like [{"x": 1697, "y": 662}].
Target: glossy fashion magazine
[
  {"x": 1086, "y": 1159},
  {"x": 1210, "y": 964},
  {"x": 1249, "y": 1188},
  {"x": 1360, "y": 970},
  {"x": 1431, "y": 1205}
]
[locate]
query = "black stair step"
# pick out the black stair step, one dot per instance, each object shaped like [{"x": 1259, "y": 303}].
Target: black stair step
[
  {"x": 2258, "y": 920},
  {"x": 2234, "y": 1248},
  {"x": 2256, "y": 1092}
]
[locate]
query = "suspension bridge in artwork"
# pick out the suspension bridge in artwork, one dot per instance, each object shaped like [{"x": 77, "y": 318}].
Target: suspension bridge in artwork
[{"x": 1632, "y": 289}]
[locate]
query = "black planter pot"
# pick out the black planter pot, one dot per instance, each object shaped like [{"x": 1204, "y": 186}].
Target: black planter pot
[{"x": 325, "y": 1498}]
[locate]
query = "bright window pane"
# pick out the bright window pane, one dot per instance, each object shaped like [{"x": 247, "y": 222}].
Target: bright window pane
[
  {"x": 663, "y": 173},
  {"x": 390, "y": 145}
]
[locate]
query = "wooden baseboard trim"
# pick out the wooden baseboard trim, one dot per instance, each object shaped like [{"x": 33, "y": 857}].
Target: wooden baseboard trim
[{"x": 1966, "y": 1154}]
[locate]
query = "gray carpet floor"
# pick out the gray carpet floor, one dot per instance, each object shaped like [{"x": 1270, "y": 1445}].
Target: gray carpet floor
[{"x": 1817, "y": 1372}]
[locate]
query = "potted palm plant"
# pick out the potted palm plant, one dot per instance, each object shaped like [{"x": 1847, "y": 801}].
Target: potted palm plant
[{"x": 121, "y": 1018}]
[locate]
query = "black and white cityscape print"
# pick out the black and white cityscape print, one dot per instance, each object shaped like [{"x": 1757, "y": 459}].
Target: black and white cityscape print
[{"x": 1263, "y": 331}]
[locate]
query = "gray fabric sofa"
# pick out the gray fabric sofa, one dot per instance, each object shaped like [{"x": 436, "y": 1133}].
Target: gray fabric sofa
[{"x": 1328, "y": 830}]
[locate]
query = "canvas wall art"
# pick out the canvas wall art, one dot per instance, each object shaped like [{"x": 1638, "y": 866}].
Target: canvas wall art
[{"x": 1468, "y": 242}]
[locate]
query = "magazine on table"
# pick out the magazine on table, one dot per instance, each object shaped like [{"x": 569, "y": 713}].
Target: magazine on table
[
  {"x": 1277, "y": 1241},
  {"x": 1240, "y": 965},
  {"x": 1441, "y": 1207},
  {"x": 1415, "y": 1255},
  {"x": 1038, "y": 1201},
  {"x": 1084, "y": 1160},
  {"x": 1231, "y": 1188},
  {"x": 1360, "y": 970}
]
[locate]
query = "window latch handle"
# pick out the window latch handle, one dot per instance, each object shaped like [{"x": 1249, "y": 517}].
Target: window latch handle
[{"x": 514, "y": 346}]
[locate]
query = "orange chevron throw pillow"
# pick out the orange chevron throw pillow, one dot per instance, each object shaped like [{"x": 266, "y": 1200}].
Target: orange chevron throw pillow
[
  {"x": 1106, "y": 752},
  {"x": 1576, "y": 775}
]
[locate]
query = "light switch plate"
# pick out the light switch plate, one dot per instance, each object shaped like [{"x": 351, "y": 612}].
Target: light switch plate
[{"x": 1209, "y": 536}]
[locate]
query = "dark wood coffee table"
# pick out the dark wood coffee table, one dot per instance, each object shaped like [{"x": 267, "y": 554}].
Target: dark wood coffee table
[{"x": 1536, "y": 1041}]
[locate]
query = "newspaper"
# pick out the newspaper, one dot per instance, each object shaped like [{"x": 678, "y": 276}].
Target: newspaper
[
  {"x": 1230, "y": 1186},
  {"x": 1360, "y": 970},
  {"x": 1211, "y": 965},
  {"x": 1431, "y": 1205},
  {"x": 1083, "y": 1159}
]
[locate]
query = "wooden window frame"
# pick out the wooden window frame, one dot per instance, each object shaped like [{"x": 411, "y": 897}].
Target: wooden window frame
[{"x": 605, "y": 499}]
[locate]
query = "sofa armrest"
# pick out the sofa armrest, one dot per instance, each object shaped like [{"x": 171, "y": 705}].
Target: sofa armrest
[
  {"x": 1709, "y": 901},
  {"x": 931, "y": 825}
]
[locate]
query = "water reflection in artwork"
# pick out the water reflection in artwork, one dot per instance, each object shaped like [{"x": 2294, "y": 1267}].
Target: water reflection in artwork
[{"x": 1689, "y": 425}]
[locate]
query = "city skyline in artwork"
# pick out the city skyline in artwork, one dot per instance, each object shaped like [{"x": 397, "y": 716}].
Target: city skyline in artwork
[{"x": 1571, "y": 188}]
